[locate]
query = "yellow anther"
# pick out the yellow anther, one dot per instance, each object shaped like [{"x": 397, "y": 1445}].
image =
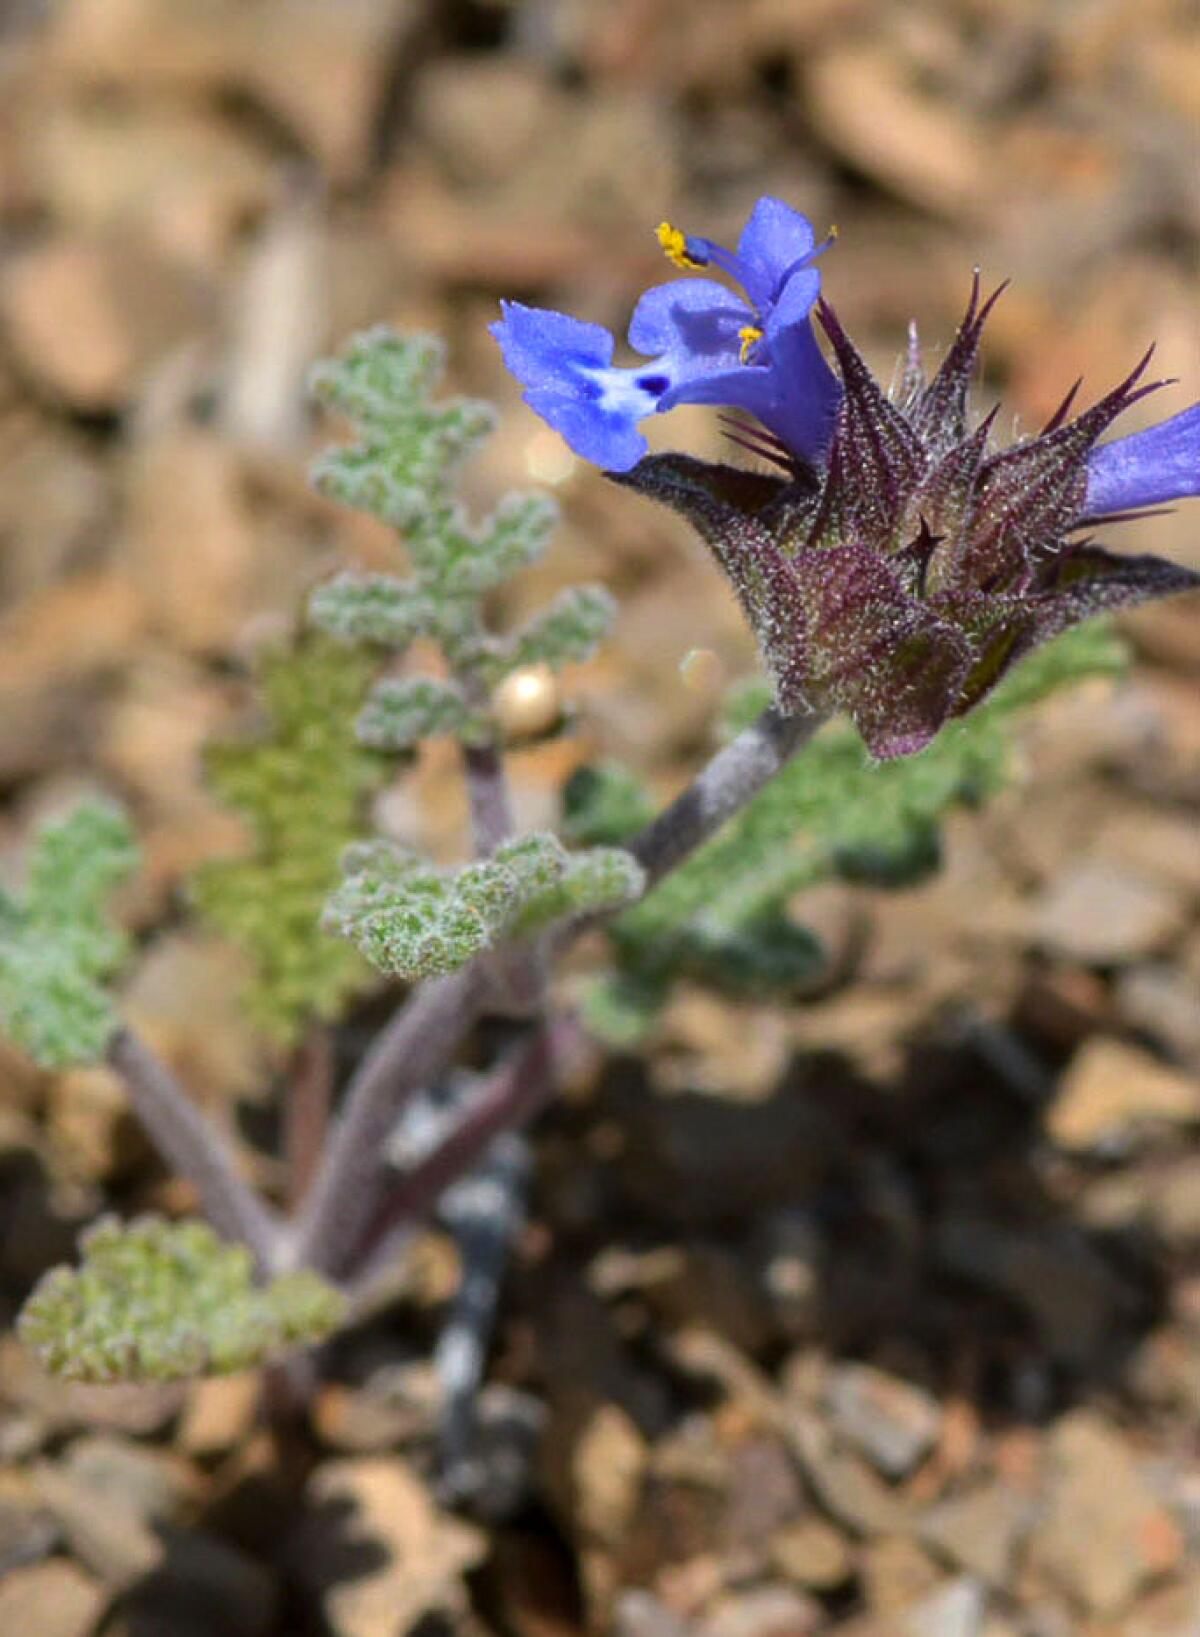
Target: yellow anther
[
  {"x": 748, "y": 335},
  {"x": 834, "y": 232},
  {"x": 674, "y": 245}
]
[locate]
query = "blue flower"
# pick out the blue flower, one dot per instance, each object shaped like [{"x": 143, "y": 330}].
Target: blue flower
[
  {"x": 705, "y": 344},
  {"x": 1146, "y": 468},
  {"x": 925, "y": 560}
]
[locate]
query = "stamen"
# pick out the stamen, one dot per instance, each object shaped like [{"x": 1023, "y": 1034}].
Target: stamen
[
  {"x": 830, "y": 239},
  {"x": 807, "y": 260},
  {"x": 675, "y": 247},
  {"x": 748, "y": 335}
]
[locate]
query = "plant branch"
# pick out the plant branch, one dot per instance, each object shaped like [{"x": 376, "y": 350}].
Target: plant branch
[
  {"x": 732, "y": 778},
  {"x": 306, "y": 1110},
  {"x": 512, "y": 1094},
  {"x": 193, "y": 1148},
  {"x": 488, "y": 794},
  {"x": 412, "y": 1050},
  {"x": 422, "y": 1038}
]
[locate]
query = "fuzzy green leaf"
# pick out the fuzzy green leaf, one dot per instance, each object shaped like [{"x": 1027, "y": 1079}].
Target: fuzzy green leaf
[
  {"x": 401, "y": 711},
  {"x": 159, "y": 1301},
  {"x": 57, "y": 946},
  {"x": 372, "y": 608},
  {"x": 595, "y": 879},
  {"x": 379, "y": 375},
  {"x": 406, "y": 917},
  {"x": 412, "y": 920},
  {"x": 303, "y": 787},
  {"x": 410, "y": 448},
  {"x": 403, "y": 470},
  {"x": 516, "y": 535},
  {"x": 567, "y": 632}
]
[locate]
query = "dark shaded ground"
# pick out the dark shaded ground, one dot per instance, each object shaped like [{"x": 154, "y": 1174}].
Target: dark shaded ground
[{"x": 879, "y": 1316}]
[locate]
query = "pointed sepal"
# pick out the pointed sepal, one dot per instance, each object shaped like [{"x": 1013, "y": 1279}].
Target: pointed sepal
[{"x": 880, "y": 458}]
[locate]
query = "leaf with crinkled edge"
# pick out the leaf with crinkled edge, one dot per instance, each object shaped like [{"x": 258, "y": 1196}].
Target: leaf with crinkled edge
[
  {"x": 372, "y": 608},
  {"x": 401, "y": 711},
  {"x": 721, "y": 917},
  {"x": 405, "y": 916},
  {"x": 383, "y": 382},
  {"x": 468, "y": 561},
  {"x": 380, "y": 375},
  {"x": 538, "y": 861},
  {"x": 304, "y": 786},
  {"x": 161, "y": 1301},
  {"x": 594, "y": 880},
  {"x": 412, "y": 920},
  {"x": 515, "y": 536},
  {"x": 567, "y": 632},
  {"x": 79, "y": 859},
  {"x": 57, "y": 946}
]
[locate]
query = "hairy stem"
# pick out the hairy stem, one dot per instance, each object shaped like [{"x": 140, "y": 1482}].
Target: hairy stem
[
  {"x": 194, "y": 1148},
  {"x": 487, "y": 792},
  {"x": 512, "y": 1094},
  {"x": 306, "y": 1110},
  {"x": 732, "y": 778},
  {"x": 416, "y": 1046}
]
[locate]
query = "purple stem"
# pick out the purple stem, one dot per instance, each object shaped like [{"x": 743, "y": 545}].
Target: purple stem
[
  {"x": 732, "y": 778},
  {"x": 513, "y": 1093},
  {"x": 194, "y": 1148},
  {"x": 306, "y": 1110},
  {"x": 487, "y": 792},
  {"x": 413, "y": 1049}
]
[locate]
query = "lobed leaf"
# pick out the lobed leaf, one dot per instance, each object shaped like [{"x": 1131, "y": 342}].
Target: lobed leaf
[
  {"x": 569, "y": 631},
  {"x": 412, "y": 920},
  {"x": 57, "y": 947},
  {"x": 410, "y": 448},
  {"x": 372, "y": 608},
  {"x": 379, "y": 375},
  {"x": 400, "y": 712},
  {"x": 159, "y": 1301},
  {"x": 303, "y": 786},
  {"x": 515, "y": 536}
]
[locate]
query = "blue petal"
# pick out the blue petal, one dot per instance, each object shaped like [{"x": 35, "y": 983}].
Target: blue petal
[
  {"x": 794, "y": 303},
  {"x": 607, "y": 437},
  {"x": 774, "y": 239},
  {"x": 540, "y": 346},
  {"x": 794, "y": 393},
  {"x": 694, "y": 321},
  {"x": 746, "y": 386},
  {"x": 809, "y": 390},
  {"x": 1146, "y": 468},
  {"x": 570, "y": 380}
]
